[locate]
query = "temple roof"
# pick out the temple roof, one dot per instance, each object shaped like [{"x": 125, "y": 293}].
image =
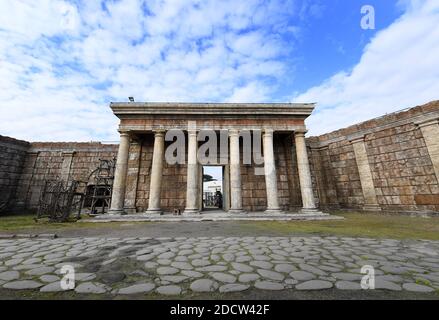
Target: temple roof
[{"x": 130, "y": 109}]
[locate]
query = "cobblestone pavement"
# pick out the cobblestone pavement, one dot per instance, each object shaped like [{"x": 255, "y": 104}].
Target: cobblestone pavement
[{"x": 176, "y": 266}]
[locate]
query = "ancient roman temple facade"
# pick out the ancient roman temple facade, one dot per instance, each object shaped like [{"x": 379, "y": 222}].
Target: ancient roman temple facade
[
  {"x": 260, "y": 148},
  {"x": 389, "y": 163}
]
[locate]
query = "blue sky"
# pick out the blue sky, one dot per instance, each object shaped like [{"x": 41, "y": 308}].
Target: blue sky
[
  {"x": 62, "y": 62},
  {"x": 333, "y": 40}
]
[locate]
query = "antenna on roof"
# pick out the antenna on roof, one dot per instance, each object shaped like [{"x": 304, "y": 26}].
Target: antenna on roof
[{"x": 131, "y": 99}]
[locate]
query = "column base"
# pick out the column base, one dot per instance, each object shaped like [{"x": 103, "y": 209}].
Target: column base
[
  {"x": 131, "y": 210},
  {"x": 188, "y": 212},
  {"x": 154, "y": 211},
  {"x": 115, "y": 212},
  {"x": 273, "y": 211},
  {"x": 309, "y": 210},
  {"x": 371, "y": 207},
  {"x": 236, "y": 211}
]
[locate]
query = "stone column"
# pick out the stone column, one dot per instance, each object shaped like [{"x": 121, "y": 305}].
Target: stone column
[
  {"x": 328, "y": 187},
  {"x": 192, "y": 175},
  {"x": 319, "y": 175},
  {"x": 430, "y": 132},
  {"x": 132, "y": 176},
  {"x": 200, "y": 187},
  {"x": 66, "y": 165},
  {"x": 370, "y": 199},
  {"x": 120, "y": 175},
  {"x": 308, "y": 201},
  {"x": 226, "y": 186},
  {"x": 235, "y": 174},
  {"x": 270, "y": 173},
  {"x": 156, "y": 173},
  {"x": 24, "y": 192}
]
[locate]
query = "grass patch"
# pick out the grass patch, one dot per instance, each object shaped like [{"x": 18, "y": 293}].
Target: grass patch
[
  {"x": 359, "y": 225},
  {"x": 423, "y": 282},
  {"x": 25, "y": 223},
  {"x": 354, "y": 225}
]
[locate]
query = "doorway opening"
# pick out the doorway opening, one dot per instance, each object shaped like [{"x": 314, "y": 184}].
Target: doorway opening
[{"x": 214, "y": 194}]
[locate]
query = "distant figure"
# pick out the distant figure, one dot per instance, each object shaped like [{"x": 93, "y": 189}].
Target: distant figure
[{"x": 218, "y": 200}]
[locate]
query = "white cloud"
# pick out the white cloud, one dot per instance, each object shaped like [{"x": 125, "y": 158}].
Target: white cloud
[
  {"x": 63, "y": 62},
  {"x": 399, "y": 68},
  {"x": 252, "y": 92},
  {"x": 34, "y": 19}
]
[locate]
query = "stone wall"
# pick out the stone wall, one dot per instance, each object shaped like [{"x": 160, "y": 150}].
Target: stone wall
[
  {"x": 397, "y": 157},
  {"x": 173, "y": 189},
  {"x": 12, "y": 159},
  {"x": 387, "y": 163},
  {"x": 254, "y": 194},
  {"x": 63, "y": 160}
]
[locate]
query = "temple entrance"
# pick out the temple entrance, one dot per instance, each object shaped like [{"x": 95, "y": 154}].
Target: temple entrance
[{"x": 214, "y": 190}]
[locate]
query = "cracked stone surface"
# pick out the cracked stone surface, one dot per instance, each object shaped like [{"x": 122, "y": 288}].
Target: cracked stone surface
[
  {"x": 302, "y": 275},
  {"x": 417, "y": 287},
  {"x": 269, "y": 285},
  {"x": 9, "y": 275},
  {"x": 137, "y": 288},
  {"x": 348, "y": 285},
  {"x": 223, "y": 277},
  {"x": 22, "y": 284},
  {"x": 52, "y": 287},
  {"x": 233, "y": 287},
  {"x": 49, "y": 278},
  {"x": 167, "y": 270},
  {"x": 174, "y": 266},
  {"x": 203, "y": 285},
  {"x": 89, "y": 287},
  {"x": 169, "y": 290},
  {"x": 314, "y": 285}
]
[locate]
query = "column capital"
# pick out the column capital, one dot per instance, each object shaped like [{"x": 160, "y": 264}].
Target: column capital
[
  {"x": 356, "y": 139},
  {"x": 233, "y": 132},
  {"x": 159, "y": 132},
  {"x": 426, "y": 123},
  {"x": 267, "y": 132},
  {"x": 300, "y": 133},
  {"x": 124, "y": 133},
  {"x": 192, "y": 131},
  {"x": 68, "y": 153}
]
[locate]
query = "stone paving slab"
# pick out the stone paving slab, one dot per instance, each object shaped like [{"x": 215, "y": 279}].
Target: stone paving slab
[
  {"x": 175, "y": 266},
  {"x": 223, "y": 216}
]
